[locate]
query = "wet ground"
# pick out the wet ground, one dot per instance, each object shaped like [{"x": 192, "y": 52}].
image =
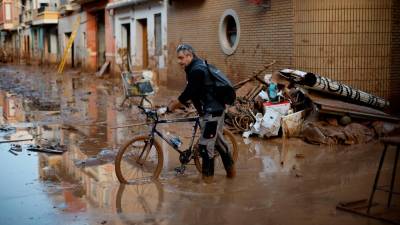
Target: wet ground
[{"x": 278, "y": 181}]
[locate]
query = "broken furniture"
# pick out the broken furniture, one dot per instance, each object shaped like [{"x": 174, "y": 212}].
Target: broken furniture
[
  {"x": 240, "y": 116},
  {"x": 363, "y": 207},
  {"x": 387, "y": 141}
]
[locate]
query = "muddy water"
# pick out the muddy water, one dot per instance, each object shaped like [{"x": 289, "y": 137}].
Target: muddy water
[{"x": 278, "y": 182}]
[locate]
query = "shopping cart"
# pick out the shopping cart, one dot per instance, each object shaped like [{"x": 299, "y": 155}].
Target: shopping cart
[{"x": 136, "y": 86}]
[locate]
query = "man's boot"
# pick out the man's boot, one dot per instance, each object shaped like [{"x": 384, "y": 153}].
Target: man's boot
[
  {"x": 228, "y": 162},
  {"x": 207, "y": 169}
]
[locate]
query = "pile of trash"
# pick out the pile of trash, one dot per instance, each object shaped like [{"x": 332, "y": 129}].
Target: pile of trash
[{"x": 293, "y": 103}]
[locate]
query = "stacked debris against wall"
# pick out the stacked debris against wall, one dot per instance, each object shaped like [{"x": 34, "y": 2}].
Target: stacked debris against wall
[
  {"x": 292, "y": 103},
  {"x": 4, "y": 56}
]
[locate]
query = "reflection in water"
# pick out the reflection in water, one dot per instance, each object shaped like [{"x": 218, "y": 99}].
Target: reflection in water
[
  {"x": 145, "y": 199},
  {"x": 76, "y": 189}
]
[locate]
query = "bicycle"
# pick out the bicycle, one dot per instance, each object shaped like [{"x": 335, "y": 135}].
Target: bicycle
[{"x": 141, "y": 158}]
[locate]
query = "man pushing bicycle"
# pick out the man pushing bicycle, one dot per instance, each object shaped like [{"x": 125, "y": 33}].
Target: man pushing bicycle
[{"x": 201, "y": 91}]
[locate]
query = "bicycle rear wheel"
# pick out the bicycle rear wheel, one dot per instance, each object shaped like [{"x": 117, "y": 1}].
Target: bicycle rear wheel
[
  {"x": 139, "y": 160},
  {"x": 230, "y": 139}
]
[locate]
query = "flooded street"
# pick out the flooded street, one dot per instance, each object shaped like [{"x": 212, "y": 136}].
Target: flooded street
[{"x": 278, "y": 181}]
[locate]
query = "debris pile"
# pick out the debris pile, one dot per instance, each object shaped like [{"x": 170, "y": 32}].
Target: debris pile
[
  {"x": 7, "y": 128},
  {"x": 46, "y": 148},
  {"x": 4, "y": 56},
  {"x": 103, "y": 157},
  {"x": 293, "y": 103},
  {"x": 53, "y": 149}
]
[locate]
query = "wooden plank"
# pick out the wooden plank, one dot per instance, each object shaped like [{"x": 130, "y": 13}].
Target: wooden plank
[
  {"x": 9, "y": 141},
  {"x": 103, "y": 69}
]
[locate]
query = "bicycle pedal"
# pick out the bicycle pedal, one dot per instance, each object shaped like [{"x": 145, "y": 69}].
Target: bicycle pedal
[{"x": 180, "y": 170}]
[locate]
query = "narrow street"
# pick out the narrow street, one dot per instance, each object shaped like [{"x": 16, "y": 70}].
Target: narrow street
[{"x": 279, "y": 181}]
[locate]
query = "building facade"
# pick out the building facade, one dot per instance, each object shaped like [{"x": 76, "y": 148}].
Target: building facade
[
  {"x": 39, "y": 31},
  {"x": 69, "y": 13},
  {"x": 94, "y": 44},
  {"x": 9, "y": 20},
  {"x": 140, "y": 27},
  {"x": 44, "y": 31},
  {"x": 36, "y": 31}
]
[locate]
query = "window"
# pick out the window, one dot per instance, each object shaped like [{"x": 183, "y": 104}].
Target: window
[
  {"x": 229, "y": 32},
  {"x": 8, "y": 11},
  {"x": 126, "y": 36}
]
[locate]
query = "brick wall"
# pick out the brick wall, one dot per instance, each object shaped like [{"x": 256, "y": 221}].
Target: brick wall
[
  {"x": 356, "y": 42},
  {"x": 266, "y": 34},
  {"x": 395, "y": 58},
  {"x": 1, "y": 12},
  {"x": 348, "y": 41}
]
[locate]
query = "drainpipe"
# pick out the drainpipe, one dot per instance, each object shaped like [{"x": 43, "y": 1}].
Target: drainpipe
[
  {"x": 112, "y": 23},
  {"x": 112, "y": 19},
  {"x": 165, "y": 51}
]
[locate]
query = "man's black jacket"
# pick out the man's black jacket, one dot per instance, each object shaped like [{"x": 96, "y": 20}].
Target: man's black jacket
[{"x": 199, "y": 89}]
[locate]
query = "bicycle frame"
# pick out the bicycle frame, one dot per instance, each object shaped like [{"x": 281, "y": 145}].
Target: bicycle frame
[
  {"x": 154, "y": 116},
  {"x": 155, "y": 132}
]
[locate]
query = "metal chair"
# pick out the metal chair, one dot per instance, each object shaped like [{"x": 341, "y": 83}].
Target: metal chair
[
  {"x": 133, "y": 87},
  {"x": 363, "y": 207}
]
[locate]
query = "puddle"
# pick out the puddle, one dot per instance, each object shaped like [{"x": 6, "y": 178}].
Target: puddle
[{"x": 278, "y": 182}]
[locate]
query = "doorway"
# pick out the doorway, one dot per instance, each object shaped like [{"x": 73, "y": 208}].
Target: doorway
[
  {"x": 141, "y": 42},
  {"x": 27, "y": 47},
  {"x": 71, "y": 57},
  {"x": 126, "y": 36},
  {"x": 100, "y": 38}
]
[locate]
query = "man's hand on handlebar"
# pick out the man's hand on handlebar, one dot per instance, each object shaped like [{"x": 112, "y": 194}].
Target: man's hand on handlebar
[{"x": 162, "y": 110}]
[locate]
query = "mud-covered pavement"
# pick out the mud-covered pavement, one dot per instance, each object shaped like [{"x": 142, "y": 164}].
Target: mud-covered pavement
[{"x": 278, "y": 181}]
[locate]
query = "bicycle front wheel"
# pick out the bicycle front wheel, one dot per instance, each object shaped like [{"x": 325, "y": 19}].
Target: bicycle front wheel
[{"x": 139, "y": 160}]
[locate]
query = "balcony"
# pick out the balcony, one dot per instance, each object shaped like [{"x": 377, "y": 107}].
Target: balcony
[
  {"x": 67, "y": 6},
  {"x": 8, "y": 26},
  {"x": 45, "y": 15},
  {"x": 124, "y": 3},
  {"x": 82, "y": 1}
]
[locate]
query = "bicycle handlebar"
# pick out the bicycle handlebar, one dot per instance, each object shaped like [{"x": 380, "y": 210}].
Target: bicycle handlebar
[
  {"x": 149, "y": 112},
  {"x": 152, "y": 113}
]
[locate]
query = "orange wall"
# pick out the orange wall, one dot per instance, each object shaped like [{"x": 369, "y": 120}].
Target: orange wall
[{"x": 91, "y": 9}]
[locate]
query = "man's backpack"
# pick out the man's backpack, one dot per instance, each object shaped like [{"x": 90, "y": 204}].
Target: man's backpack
[{"x": 223, "y": 89}]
